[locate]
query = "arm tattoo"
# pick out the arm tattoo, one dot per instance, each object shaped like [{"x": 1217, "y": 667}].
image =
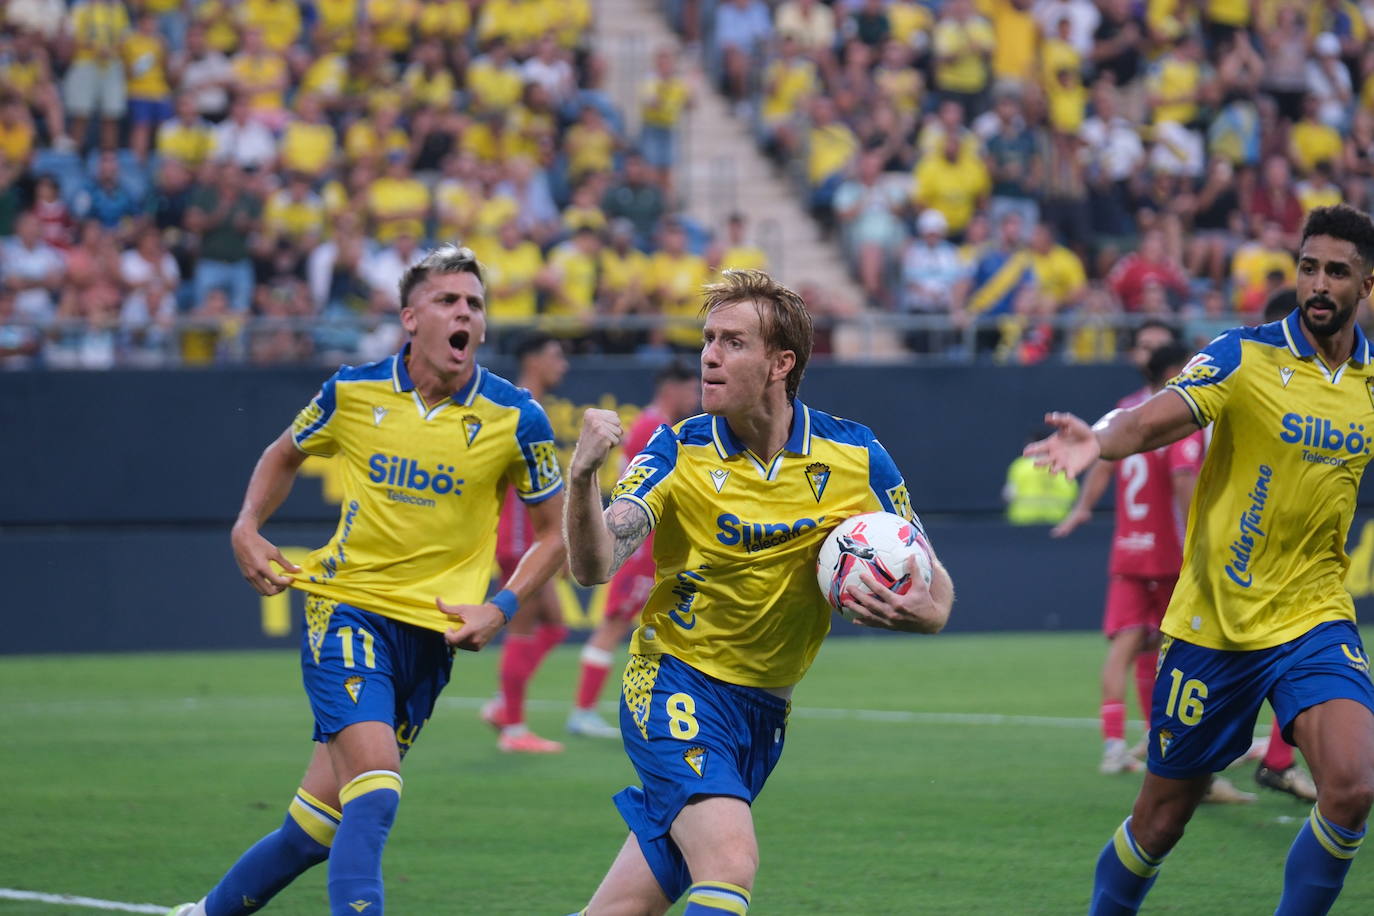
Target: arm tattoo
[{"x": 629, "y": 525}]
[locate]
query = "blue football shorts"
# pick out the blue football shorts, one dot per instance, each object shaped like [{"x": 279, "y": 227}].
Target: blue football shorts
[
  {"x": 362, "y": 667},
  {"x": 690, "y": 735},
  {"x": 1206, "y": 701}
]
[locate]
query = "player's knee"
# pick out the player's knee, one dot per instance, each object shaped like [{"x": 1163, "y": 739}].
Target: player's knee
[
  {"x": 1159, "y": 832},
  {"x": 1348, "y": 797}
]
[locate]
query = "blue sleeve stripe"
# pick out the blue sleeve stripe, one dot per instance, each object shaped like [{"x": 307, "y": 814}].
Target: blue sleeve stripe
[
  {"x": 1182, "y": 392},
  {"x": 326, "y": 402},
  {"x": 630, "y": 497}
]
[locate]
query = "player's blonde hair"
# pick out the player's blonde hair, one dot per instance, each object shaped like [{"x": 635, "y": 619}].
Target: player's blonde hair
[
  {"x": 783, "y": 318},
  {"x": 446, "y": 259}
]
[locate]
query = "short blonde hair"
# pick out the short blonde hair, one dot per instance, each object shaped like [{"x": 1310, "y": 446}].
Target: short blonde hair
[{"x": 783, "y": 318}]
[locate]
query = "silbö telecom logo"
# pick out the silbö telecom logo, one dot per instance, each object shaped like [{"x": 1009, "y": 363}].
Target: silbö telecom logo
[
  {"x": 1251, "y": 534},
  {"x": 400, "y": 474}
]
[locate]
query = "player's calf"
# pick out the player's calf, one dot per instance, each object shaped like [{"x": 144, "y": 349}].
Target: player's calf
[
  {"x": 1317, "y": 864},
  {"x": 369, "y": 804}
]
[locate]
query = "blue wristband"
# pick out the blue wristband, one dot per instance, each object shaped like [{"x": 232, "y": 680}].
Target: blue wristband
[{"x": 506, "y": 601}]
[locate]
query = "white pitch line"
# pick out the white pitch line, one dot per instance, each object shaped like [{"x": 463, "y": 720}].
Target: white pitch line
[{"x": 90, "y": 903}]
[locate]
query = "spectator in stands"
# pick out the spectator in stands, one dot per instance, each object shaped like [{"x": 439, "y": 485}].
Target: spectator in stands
[
  {"x": 810, "y": 24},
  {"x": 1252, "y": 266},
  {"x": 789, "y": 82},
  {"x": 590, "y": 145},
  {"x": 637, "y": 198},
  {"x": 204, "y": 73},
  {"x": 932, "y": 269},
  {"x": 92, "y": 282},
  {"x": 94, "y": 84},
  {"x": 293, "y": 216},
  {"x": 1151, "y": 264},
  {"x": 262, "y": 77},
  {"x": 625, "y": 285},
  {"x": 737, "y": 253},
  {"x": 1312, "y": 140},
  {"x": 528, "y": 187},
  {"x": 513, "y": 269},
  {"x": 55, "y": 223},
  {"x": 32, "y": 270},
  {"x": 1318, "y": 189},
  {"x": 241, "y": 140},
  {"x": 187, "y": 137},
  {"x": 397, "y": 202},
  {"x": 42, "y": 18},
  {"x": 954, "y": 181},
  {"x": 866, "y": 209},
  {"x": 1217, "y": 227},
  {"x": 1083, "y": 17},
  {"x": 210, "y": 333},
  {"x": 106, "y": 198},
  {"x": 569, "y": 282},
  {"x": 150, "y": 276},
  {"x": 549, "y": 68},
  {"x": 963, "y": 43},
  {"x": 308, "y": 143},
  {"x": 1118, "y": 46},
  {"x": 1093, "y": 336},
  {"x": 1016, "y": 42},
  {"x": 664, "y": 98},
  {"x": 677, "y": 278},
  {"x": 1274, "y": 201},
  {"x": 150, "y": 96},
  {"x": 493, "y": 80},
  {"x": 1203, "y": 322},
  {"x": 831, "y": 146},
  {"x": 17, "y": 134},
  {"x": 868, "y": 23},
  {"x": 1000, "y": 272},
  {"x": 742, "y": 28},
  {"x": 1013, "y": 160},
  {"x": 1114, "y": 155},
  {"x": 27, "y": 72},
  {"x": 20, "y": 340},
  {"x": 1059, "y": 273},
  {"x": 222, "y": 215}
]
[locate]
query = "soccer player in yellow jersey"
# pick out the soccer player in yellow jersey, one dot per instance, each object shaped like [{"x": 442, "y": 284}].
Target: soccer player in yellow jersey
[
  {"x": 739, "y": 500},
  {"x": 428, "y": 441},
  {"x": 1260, "y": 611}
]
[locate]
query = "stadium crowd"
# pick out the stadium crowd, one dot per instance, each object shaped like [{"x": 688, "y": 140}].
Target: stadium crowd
[
  {"x": 1027, "y": 176},
  {"x": 196, "y": 181}
]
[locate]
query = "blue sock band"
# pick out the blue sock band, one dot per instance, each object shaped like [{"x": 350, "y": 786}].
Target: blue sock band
[
  {"x": 355, "y": 864},
  {"x": 1125, "y": 874},
  {"x": 273, "y": 862},
  {"x": 1317, "y": 862},
  {"x": 716, "y": 898}
]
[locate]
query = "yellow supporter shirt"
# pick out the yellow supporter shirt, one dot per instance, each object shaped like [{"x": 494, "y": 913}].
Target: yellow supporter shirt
[
  {"x": 1312, "y": 197},
  {"x": 1312, "y": 142},
  {"x": 1170, "y": 79},
  {"x": 961, "y": 51},
  {"x": 455, "y": 207},
  {"x": 663, "y": 101},
  {"x": 1059, "y": 272},
  {"x": 493, "y": 213},
  {"x": 787, "y": 84},
  {"x": 576, "y": 292},
  {"x": 361, "y": 141},
  {"x": 589, "y": 149},
  {"x": 1264, "y": 560},
  {"x": 1015, "y": 31},
  {"x": 327, "y": 76},
  {"x": 391, "y": 20},
  {"x": 905, "y": 19},
  {"x": 423, "y": 487},
  {"x": 292, "y": 219},
  {"x": 98, "y": 29},
  {"x": 1234, "y": 13},
  {"x": 145, "y": 66},
  {"x": 493, "y": 88},
  {"x": 339, "y": 18},
  {"x": 904, "y": 87},
  {"x": 743, "y": 257},
  {"x": 1056, "y": 55},
  {"x": 831, "y": 149},
  {"x": 307, "y": 147},
  {"x": 256, "y": 74},
  {"x": 429, "y": 90},
  {"x": 21, "y": 77},
  {"x": 388, "y": 197},
  {"x": 620, "y": 272},
  {"x": 953, "y": 188},
  {"x": 677, "y": 280},
  {"x": 591, "y": 217},
  {"x": 1068, "y": 106},
  {"x": 572, "y": 19},
  {"x": 220, "y": 33},
  {"x": 279, "y": 20},
  {"x": 736, "y": 536},
  {"x": 188, "y": 144},
  {"x": 446, "y": 19},
  {"x": 16, "y": 143},
  {"x": 507, "y": 268}
]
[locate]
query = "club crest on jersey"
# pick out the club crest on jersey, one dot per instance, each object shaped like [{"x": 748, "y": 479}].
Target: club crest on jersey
[
  {"x": 378, "y": 414},
  {"x": 1286, "y": 376},
  {"x": 354, "y": 687},
  {"x": 472, "y": 425},
  {"x": 818, "y": 475},
  {"x": 718, "y": 476},
  {"x": 695, "y": 757},
  {"x": 1166, "y": 738}
]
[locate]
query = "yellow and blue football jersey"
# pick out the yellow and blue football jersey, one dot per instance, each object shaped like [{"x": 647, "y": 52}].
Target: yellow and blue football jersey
[
  {"x": 423, "y": 486},
  {"x": 736, "y": 539},
  {"x": 1265, "y": 549}
]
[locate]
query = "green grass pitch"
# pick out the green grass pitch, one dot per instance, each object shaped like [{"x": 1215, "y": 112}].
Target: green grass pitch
[{"x": 946, "y": 775}]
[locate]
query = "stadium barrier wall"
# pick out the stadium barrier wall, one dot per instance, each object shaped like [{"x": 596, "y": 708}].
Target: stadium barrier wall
[{"x": 120, "y": 488}]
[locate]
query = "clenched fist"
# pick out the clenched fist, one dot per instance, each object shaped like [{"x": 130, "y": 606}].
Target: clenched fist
[{"x": 601, "y": 432}]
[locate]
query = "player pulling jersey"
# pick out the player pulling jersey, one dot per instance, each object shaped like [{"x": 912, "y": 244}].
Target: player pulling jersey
[{"x": 420, "y": 510}]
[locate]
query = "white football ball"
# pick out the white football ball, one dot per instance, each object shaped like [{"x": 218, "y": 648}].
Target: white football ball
[{"x": 879, "y": 542}]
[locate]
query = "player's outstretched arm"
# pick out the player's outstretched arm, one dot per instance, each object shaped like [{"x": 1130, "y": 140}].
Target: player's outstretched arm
[
  {"x": 598, "y": 542},
  {"x": 478, "y": 624},
  {"x": 1094, "y": 485},
  {"x": 923, "y": 609},
  {"x": 267, "y": 488},
  {"x": 1074, "y": 445}
]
